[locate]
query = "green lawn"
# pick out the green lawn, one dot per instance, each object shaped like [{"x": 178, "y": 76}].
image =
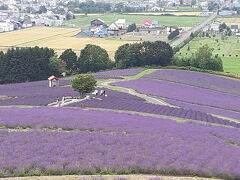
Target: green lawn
[
  {"x": 162, "y": 20},
  {"x": 231, "y": 65}
]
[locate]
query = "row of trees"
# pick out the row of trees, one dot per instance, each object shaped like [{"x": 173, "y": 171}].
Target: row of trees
[
  {"x": 101, "y": 7},
  {"x": 89, "y": 7},
  {"x": 94, "y": 58},
  {"x": 28, "y": 64},
  {"x": 34, "y": 63}
]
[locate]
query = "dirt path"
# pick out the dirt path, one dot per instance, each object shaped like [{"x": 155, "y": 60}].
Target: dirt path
[
  {"x": 133, "y": 92},
  {"x": 107, "y": 177}
]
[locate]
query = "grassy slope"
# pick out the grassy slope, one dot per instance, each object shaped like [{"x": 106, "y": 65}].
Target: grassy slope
[
  {"x": 231, "y": 46},
  {"x": 162, "y": 20}
]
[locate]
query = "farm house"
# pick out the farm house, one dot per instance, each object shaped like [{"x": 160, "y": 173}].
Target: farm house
[{"x": 97, "y": 22}]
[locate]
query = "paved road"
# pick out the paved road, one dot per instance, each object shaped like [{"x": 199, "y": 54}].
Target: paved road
[{"x": 187, "y": 34}]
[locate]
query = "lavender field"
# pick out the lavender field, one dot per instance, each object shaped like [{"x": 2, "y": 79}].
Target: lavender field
[
  {"x": 162, "y": 146},
  {"x": 90, "y": 137},
  {"x": 34, "y": 93},
  {"x": 183, "y": 93},
  {"x": 197, "y": 79},
  {"x": 120, "y": 72}
]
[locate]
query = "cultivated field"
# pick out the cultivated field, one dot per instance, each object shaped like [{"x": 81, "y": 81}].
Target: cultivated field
[
  {"x": 162, "y": 20},
  {"x": 142, "y": 126},
  {"x": 230, "y": 20},
  {"x": 57, "y": 38}
]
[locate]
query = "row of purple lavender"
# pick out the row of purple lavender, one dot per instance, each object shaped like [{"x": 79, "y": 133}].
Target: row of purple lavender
[
  {"x": 152, "y": 145},
  {"x": 123, "y": 101}
]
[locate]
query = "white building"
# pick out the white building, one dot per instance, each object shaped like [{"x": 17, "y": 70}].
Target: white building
[
  {"x": 113, "y": 27},
  {"x": 122, "y": 23},
  {"x": 215, "y": 26},
  {"x": 234, "y": 28},
  {"x": 6, "y": 26}
]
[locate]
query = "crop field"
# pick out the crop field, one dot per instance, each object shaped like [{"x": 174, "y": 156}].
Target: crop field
[
  {"x": 162, "y": 20},
  {"x": 228, "y": 49},
  {"x": 230, "y": 20},
  {"x": 57, "y": 38},
  {"x": 191, "y": 126}
]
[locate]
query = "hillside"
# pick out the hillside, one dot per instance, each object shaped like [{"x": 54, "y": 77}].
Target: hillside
[{"x": 152, "y": 121}]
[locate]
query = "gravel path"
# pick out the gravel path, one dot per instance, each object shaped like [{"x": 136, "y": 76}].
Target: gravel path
[{"x": 107, "y": 177}]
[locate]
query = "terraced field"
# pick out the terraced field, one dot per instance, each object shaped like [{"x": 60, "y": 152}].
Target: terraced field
[{"x": 129, "y": 131}]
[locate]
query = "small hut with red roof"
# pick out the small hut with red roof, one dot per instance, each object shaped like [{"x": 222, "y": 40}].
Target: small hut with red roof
[{"x": 53, "y": 81}]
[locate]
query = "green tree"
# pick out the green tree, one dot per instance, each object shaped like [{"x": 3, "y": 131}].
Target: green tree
[
  {"x": 42, "y": 9},
  {"x": 156, "y": 53},
  {"x": 131, "y": 27},
  {"x": 204, "y": 59},
  {"x": 84, "y": 83},
  {"x": 146, "y": 53},
  {"x": 56, "y": 66},
  {"x": 193, "y": 2},
  {"x": 70, "y": 58},
  {"x": 222, "y": 27},
  {"x": 93, "y": 58}
]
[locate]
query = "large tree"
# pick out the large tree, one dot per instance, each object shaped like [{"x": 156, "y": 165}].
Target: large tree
[
  {"x": 93, "y": 58},
  {"x": 141, "y": 54},
  {"x": 84, "y": 83},
  {"x": 70, "y": 58}
]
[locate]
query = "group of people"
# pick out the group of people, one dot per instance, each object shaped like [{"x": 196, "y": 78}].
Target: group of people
[{"x": 99, "y": 92}]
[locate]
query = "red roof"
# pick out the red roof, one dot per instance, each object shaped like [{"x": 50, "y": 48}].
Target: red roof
[
  {"x": 147, "y": 22},
  {"x": 53, "y": 78}
]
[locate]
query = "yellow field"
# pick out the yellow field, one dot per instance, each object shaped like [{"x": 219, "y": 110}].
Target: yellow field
[
  {"x": 57, "y": 38},
  {"x": 230, "y": 20}
]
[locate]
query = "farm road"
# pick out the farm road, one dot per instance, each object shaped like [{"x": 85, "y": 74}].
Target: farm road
[
  {"x": 187, "y": 34},
  {"x": 135, "y": 93}
]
